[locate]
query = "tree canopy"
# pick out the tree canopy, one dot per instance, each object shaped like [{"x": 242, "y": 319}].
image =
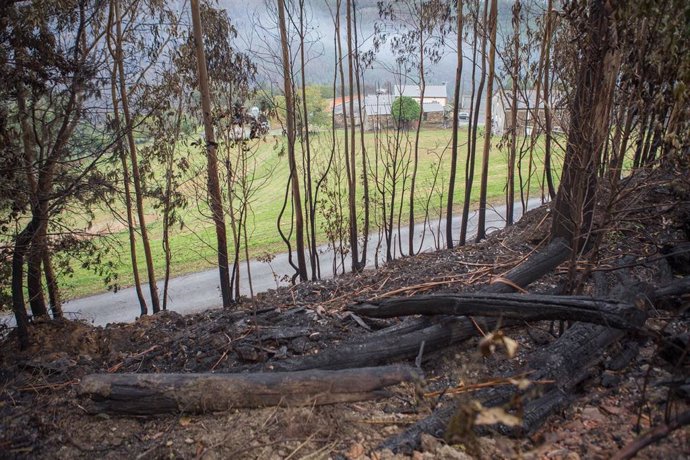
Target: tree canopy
[{"x": 404, "y": 110}]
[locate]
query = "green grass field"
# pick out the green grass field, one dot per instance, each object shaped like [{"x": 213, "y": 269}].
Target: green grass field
[{"x": 193, "y": 244}]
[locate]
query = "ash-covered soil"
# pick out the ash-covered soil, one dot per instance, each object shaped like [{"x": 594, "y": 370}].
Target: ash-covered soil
[{"x": 42, "y": 415}]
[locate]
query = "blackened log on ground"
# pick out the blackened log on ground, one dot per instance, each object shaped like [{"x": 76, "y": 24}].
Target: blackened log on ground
[
  {"x": 151, "y": 394},
  {"x": 403, "y": 341},
  {"x": 566, "y": 362},
  {"x": 676, "y": 287},
  {"x": 532, "y": 269},
  {"x": 528, "y": 307},
  {"x": 383, "y": 349}
]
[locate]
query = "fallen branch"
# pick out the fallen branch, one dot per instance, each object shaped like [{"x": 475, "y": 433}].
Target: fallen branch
[
  {"x": 151, "y": 394},
  {"x": 676, "y": 287},
  {"x": 403, "y": 341},
  {"x": 527, "y": 307},
  {"x": 656, "y": 434},
  {"x": 567, "y": 362}
]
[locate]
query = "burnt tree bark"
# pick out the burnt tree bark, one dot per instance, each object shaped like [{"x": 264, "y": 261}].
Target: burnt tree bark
[
  {"x": 404, "y": 342},
  {"x": 291, "y": 134},
  {"x": 211, "y": 159},
  {"x": 589, "y": 122},
  {"x": 481, "y": 221},
  {"x": 566, "y": 362},
  {"x": 527, "y": 307},
  {"x": 150, "y": 394},
  {"x": 454, "y": 145}
]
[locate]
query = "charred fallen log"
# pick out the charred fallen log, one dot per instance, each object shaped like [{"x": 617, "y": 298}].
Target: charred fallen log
[
  {"x": 404, "y": 341},
  {"x": 566, "y": 362},
  {"x": 527, "y": 307},
  {"x": 151, "y": 394}
]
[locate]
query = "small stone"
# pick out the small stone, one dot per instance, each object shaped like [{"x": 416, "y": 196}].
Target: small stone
[
  {"x": 562, "y": 454},
  {"x": 593, "y": 413},
  {"x": 609, "y": 379},
  {"x": 315, "y": 336},
  {"x": 189, "y": 441},
  {"x": 169, "y": 443},
  {"x": 429, "y": 443},
  {"x": 446, "y": 452},
  {"x": 249, "y": 353}
]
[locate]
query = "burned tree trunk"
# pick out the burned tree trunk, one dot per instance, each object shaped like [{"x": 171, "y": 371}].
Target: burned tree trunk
[
  {"x": 527, "y": 307},
  {"x": 566, "y": 363},
  {"x": 405, "y": 342},
  {"x": 151, "y": 394},
  {"x": 589, "y": 125}
]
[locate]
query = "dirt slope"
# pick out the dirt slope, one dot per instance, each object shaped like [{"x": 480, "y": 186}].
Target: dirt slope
[{"x": 42, "y": 416}]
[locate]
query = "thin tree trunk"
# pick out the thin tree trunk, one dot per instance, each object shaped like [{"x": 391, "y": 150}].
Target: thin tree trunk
[
  {"x": 533, "y": 115},
  {"x": 34, "y": 287},
  {"x": 211, "y": 158},
  {"x": 345, "y": 117},
  {"x": 37, "y": 300},
  {"x": 350, "y": 162},
  {"x": 52, "y": 285},
  {"x": 21, "y": 247},
  {"x": 365, "y": 173},
  {"x": 136, "y": 178},
  {"x": 481, "y": 224},
  {"x": 290, "y": 106},
  {"x": 510, "y": 193},
  {"x": 454, "y": 146},
  {"x": 548, "y": 168},
  {"x": 310, "y": 205},
  {"x": 415, "y": 163},
  {"x": 472, "y": 142},
  {"x": 167, "y": 206},
  {"x": 119, "y": 148}
]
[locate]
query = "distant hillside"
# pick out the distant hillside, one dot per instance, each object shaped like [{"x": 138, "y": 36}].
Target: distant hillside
[{"x": 244, "y": 16}]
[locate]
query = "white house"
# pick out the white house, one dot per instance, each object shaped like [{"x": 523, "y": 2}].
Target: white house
[{"x": 529, "y": 118}]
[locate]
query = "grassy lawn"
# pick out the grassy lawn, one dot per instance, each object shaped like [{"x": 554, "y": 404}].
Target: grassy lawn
[{"x": 193, "y": 244}]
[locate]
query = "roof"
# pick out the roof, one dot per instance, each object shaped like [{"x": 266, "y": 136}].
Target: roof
[
  {"x": 338, "y": 100},
  {"x": 430, "y": 91},
  {"x": 338, "y": 109},
  {"x": 527, "y": 99},
  {"x": 378, "y": 104},
  {"x": 381, "y": 105},
  {"x": 431, "y": 107}
]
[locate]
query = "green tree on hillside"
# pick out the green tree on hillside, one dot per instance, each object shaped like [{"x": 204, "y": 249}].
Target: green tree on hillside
[
  {"x": 317, "y": 110},
  {"x": 404, "y": 110}
]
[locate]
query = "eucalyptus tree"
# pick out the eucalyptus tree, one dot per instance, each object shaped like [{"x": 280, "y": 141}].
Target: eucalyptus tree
[
  {"x": 418, "y": 41},
  {"x": 456, "y": 119},
  {"x": 53, "y": 112},
  {"x": 478, "y": 27},
  {"x": 291, "y": 134},
  {"x": 491, "y": 32},
  {"x": 213, "y": 182},
  {"x": 129, "y": 32}
]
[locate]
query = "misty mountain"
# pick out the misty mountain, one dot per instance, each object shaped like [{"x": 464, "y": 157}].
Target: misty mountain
[{"x": 257, "y": 35}]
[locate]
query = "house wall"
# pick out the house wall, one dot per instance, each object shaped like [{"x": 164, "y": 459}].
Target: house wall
[
  {"x": 434, "y": 119},
  {"x": 427, "y": 99},
  {"x": 526, "y": 121},
  {"x": 380, "y": 121},
  {"x": 339, "y": 121}
]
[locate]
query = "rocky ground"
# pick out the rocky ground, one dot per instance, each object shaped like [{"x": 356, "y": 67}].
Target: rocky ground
[{"x": 42, "y": 415}]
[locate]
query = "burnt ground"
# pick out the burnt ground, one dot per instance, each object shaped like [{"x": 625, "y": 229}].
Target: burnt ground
[{"x": 42, "y": 415}]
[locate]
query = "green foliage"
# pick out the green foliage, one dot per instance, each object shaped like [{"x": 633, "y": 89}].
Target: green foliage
[
  {"x": 405, "y": 109},
  {"x": 318, "y": 115}
]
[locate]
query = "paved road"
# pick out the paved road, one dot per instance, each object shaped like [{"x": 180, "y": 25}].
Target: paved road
[{"x": 200, "y": 291}]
